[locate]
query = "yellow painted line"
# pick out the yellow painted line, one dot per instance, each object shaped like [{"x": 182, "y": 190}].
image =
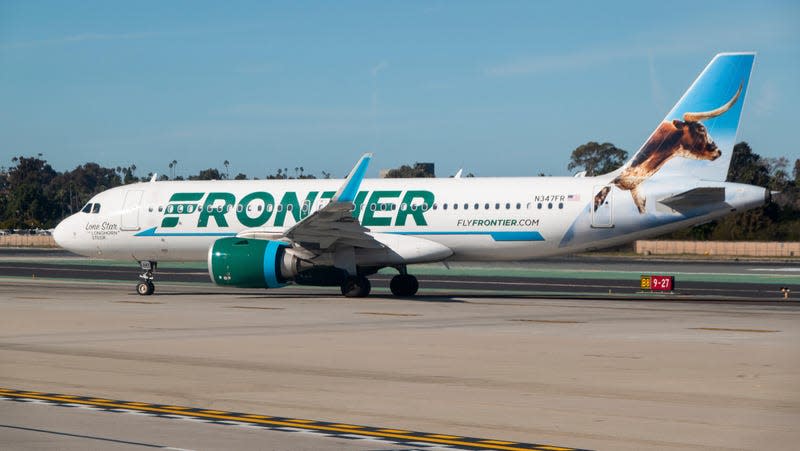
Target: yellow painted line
[
  {"x": 394, "y": 431},
  {"x": 33, "y": 393},
  {"x": 347, "y": 426},
  {"x": 443, "y": 436},
  {"x": 497, "y": 442},
  {"x": 215, "y": 412},
  {"x": 99, "y": 400},
  {"x": 295, "y": 420},
  {"x": 405, "y": 435},
  {"x": 260, "y": 417},
  {"x": 176, "y": 407}
]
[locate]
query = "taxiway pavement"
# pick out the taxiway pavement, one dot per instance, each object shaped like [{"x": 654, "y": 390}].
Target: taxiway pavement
[{"x": 588, "y": 373}]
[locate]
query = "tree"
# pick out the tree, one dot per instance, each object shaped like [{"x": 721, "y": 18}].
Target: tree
[
  {"x": 419, "y": 170},
  {"x": 227, "y": 163},
  {"x": 797, "y": 172},
  {"x": 747, "y": 166},
  {"x": 207, "y": 174},
  {"x": 597, "y": 159}
]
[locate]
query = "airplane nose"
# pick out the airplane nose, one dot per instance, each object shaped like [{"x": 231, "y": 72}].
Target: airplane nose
[{"x": 61, "y": 234}]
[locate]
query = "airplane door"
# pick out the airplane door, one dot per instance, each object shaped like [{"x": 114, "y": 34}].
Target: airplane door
[
  {"x": 602, "y": 214},
  {"x": 130, "y": 210}
]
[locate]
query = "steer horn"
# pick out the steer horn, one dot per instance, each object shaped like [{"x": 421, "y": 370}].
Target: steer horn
[{"x": 697, "y": 117}]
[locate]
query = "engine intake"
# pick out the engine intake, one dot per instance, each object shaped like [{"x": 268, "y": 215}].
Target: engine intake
[{"x": 252, "y": 263}]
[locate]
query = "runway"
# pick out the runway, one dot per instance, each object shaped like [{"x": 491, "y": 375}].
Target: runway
[
  {"x": 589, "y": 373},
  {"x": 582, "y": 277}
]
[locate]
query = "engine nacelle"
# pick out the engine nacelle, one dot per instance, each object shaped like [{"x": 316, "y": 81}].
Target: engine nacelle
[{"x": 252, "y": 263}]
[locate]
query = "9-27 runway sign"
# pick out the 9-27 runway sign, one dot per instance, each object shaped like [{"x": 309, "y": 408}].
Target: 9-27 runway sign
[{"x": 657, "y": 283}]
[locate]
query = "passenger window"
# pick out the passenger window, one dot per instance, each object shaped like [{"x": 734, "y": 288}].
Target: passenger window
[
  {"x": 259, "y": 207},
  {"x": 289, "y": 207},
  {"x": 528, "y": 206},
  {"x": 280, "y": 208},
  {"x": 539, "y": 205},
  {"x": 87, "y": 208},
  {"x": 96, "y": 209},
  {"x": 150, "y": 209},
  {"x": 497, "y": 206},
  {"x": 486, "y": 206},
  {"x": 508, "y": 206},
  {"x": 455, "y": 206},
  {"x": 550, "y": 205},
  {"x": 519, "y": 205},
  {"x": 372, "y": 207},
  {"x": 424, "y": 207},
  {"x": 435, "y": 206},
  {"x": 160, "y": 208},
  {"x": 444, "y": 207},
  {"x": 560, "y": 205},
  {"x": 466, "y": 206}
]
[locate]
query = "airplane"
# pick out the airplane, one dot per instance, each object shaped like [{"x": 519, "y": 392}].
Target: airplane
[{"x": 325, "y": 232}]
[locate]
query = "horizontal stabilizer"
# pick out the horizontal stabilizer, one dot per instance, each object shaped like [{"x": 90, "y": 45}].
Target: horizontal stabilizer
[{"x": 694, "y": 198}]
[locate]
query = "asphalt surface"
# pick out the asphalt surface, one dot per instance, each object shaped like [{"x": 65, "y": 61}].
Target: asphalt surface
[
  {"x": 172, "y": 370},
  {"x": 590, "y": 277}
]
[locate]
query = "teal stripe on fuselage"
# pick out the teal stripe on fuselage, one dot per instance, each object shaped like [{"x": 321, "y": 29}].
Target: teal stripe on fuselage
[
  {"x": 496, "y": 236},
  {"x": 153, "y": 232}
]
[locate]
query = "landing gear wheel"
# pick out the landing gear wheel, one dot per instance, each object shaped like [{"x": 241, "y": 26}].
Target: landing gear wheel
[
  {"x": 145, "y": 288},
  {"x": 356, "y": 287},
  {"x": 404, "y": 285}
]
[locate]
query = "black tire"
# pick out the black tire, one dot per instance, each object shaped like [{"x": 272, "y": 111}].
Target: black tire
[
  {"x": 356, "y": 287},
  {"x": 404, "y": 285},
  {"x": 145, "y": 288}
]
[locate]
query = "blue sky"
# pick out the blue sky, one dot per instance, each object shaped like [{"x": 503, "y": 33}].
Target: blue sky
[{"x": 498, "y": 88}]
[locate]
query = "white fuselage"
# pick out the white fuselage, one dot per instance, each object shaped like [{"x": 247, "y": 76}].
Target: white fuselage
[{"x": 479, "y": 219}]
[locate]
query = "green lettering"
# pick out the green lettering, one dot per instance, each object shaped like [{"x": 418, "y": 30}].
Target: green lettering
[
  {"x": 290, "y": 204},
  {"x": 374, "y": 207},
  {"x": 217, "y": 212},
  {"x": 418, "y": 213},
  {"x": 263, "y": 216},
  {"x": 357, "y": 202}
]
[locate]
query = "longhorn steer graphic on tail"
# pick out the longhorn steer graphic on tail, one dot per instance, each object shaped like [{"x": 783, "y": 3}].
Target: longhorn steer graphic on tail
[{"x": 687, "y": 138}]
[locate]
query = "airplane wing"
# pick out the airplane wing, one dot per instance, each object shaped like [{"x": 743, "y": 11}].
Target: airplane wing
[{"x": 334, "y": 225}]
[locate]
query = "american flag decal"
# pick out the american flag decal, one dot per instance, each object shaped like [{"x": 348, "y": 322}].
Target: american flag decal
[{"x": 574, "y": 197}]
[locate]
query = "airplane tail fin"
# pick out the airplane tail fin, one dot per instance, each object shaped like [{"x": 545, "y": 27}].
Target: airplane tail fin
[{"x": 696, "y": 138}]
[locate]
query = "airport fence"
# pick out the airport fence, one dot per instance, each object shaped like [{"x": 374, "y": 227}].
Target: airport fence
[
  {"x": 17, "y": 240},
  {"x": 725, "y": 248}
]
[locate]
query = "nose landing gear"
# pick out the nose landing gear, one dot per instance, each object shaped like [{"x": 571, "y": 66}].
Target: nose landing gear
[{"x": 146, "y": 286}]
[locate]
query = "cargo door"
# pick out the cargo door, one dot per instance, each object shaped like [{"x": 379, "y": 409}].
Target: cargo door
[{"x": 602, "y": 211}]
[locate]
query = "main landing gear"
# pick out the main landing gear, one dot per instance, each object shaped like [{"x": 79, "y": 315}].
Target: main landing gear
[
  {"x": 356, "y": 287},
  {"x": 146, "y": 286},
  {"x": 404, "y": 284}
]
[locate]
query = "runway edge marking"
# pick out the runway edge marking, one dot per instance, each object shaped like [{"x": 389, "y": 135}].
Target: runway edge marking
[{"x": 340, "y": 429}]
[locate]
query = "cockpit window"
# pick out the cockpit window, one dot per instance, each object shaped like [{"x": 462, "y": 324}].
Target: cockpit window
[
  {"x": 96, "y": 208},
  {"x": 87, "y": 208}
]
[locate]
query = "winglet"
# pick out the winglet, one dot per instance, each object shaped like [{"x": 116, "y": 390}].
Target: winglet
[{"x": 347, "y": 192}]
